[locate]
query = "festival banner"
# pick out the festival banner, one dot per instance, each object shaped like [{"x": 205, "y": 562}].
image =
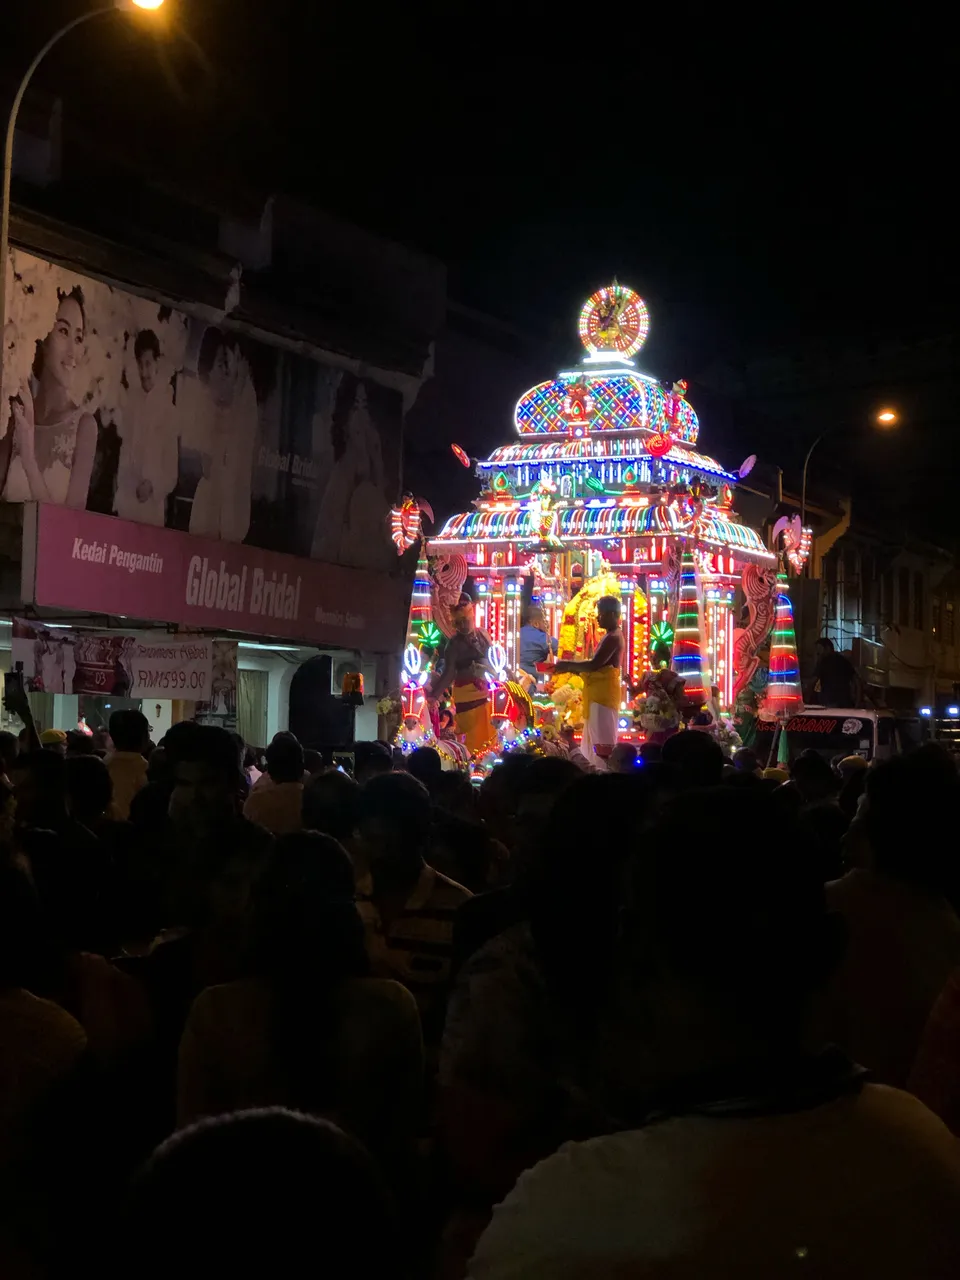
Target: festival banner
[
  {"x": 59, "y": 660},
  {"x": 89, "y": 563}
]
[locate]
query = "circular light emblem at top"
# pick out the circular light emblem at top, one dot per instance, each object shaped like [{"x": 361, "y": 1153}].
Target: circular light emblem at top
[{"x": 614, "y": 321}]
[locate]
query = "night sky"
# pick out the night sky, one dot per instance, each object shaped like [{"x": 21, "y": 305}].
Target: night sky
[{"x": 767, "y": 187}]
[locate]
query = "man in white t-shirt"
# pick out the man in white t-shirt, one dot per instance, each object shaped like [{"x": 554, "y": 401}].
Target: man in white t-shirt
[{"x": 742, "y": 1155}]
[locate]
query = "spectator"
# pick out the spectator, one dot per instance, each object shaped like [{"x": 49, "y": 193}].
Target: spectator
[
  {"x": 624, "y": 758},
  {"x": 212, "y": 858},
  {"x": 370, "y": 760},
  {"x": 312, "y": 763},
  {"x": 80, "y": 744},
  {"x": 290, "y": 1184},
  {"x": 130, "y": 893},
  {"x": 264, "y": 782},
  {"x": 746, "y": 760},
  {"x": 425, "y": 765},
  {"x": 54, "y": 740},
  {"x": 330, "y": 806},
  {"x": 498, "y": 797},
  {"x": 904, "y": 935},
  {"x": 812, "y": 777},
  {"x": 278, "y": 809},
  {"x": 465, "y": 852},
  {"x": 127, "y": 763},
  {"x": 309, "y": 1029},
  {"x": 406, "y": 906},
  {"x": 251, "y": 760},
  {"x": 852, "y": 787},
  {"x": 149, "y": 807},
  {"x": 696, "y": 759},
  {"x": 515, "y": 1061},
  {"x": 530, "y": 792},
  {"x": 454, "y": 794},
  {"x": 774, "y": 773},
  {"x": 821, "y": 828},
  {"x": 42, "y": 1060},
  {"x": 41, "y": 1042},
  {"x": 89, "y": 791},
  {"x": 739, "y": 1152},
  {"x": 9, "y": 750},
  {"x": 935, "y": 1074},
  {"x": 835, "y": 677},
  {"x": 67, "y": 863}
]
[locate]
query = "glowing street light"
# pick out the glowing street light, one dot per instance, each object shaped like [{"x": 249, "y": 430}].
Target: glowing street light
[
  {"x": 8, "y": 148},
  {"x": 884, "y": 418}
]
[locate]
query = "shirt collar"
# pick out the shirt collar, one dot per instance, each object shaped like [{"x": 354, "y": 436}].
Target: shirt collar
[{"x": 419, "y": 894}]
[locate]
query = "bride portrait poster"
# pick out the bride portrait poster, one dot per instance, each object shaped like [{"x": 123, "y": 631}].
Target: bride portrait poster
[{"x": 118, "y": 404}]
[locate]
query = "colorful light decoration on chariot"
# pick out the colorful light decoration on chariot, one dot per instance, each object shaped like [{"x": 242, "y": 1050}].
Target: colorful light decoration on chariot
[
  {"x": 406, "y": 522},
  {"x": 687, "y": 655},
  {"x": 659, "y": 445},
  {"x": 604, "y": 491},
  {"x": 797, "y": 541},
  {"x": 783, "y": 696},
  {"x": 614, "y": 323}
]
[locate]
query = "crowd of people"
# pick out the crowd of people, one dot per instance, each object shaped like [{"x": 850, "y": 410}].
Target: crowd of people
[{"x": 679, "y": 1018}]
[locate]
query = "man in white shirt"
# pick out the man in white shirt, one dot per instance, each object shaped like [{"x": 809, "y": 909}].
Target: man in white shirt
[
  {"x": 742, "y": 1154},
  {"x": 149, "y": 457}
]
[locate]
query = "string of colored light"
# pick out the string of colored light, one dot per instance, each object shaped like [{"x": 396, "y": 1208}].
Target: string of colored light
[
  {"x": 621, "y": 402},
  {"x": 588, "y": 449},
  {"x": 601, "y": 518},
  {"x": 783, "y": 686},
  {"x": 687, "y": 658}
]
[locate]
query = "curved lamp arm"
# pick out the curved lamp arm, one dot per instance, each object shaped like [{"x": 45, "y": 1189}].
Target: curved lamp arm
[{"x": 8, "y": 163}]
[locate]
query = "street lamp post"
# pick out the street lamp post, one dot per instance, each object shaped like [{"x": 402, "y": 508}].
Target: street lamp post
[
  {"x": 8, "y": 150},
  {"x": 803, "y": 486},
  {"x": 884, "y": 418}
]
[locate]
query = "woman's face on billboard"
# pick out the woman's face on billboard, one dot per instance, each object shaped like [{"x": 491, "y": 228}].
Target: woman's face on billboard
[{"x": 63, "y": 345}]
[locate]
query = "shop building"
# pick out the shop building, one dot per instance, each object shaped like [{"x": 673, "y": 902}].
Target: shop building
[{"x": 179, "y": 468}]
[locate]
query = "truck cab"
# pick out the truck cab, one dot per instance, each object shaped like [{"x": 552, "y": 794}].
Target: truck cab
[{"x": 871, "y": 732}]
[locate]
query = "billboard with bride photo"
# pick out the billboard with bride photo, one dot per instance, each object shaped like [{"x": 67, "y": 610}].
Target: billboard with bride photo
[{"x": 117, "y": 404}]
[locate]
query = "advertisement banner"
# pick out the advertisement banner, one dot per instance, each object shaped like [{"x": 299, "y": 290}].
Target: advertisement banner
[
  {"x": 117, "y": 404},
  {"x": 59, "y": 660},
  {"x": 96, "y": 564}
]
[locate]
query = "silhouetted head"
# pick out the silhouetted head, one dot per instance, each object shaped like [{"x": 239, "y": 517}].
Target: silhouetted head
[
  {"x": 259, "y": 1193},
  {"x": 330, "y": 804},
  {"x": 394, "y": 817},
  {"x": 370, "y": 759},
  {"x": 89, "y": 788},
  {"x": 696, "y": 758},
  {"x": 130, "y": 731},
  {"x": 285, "y": 759}
]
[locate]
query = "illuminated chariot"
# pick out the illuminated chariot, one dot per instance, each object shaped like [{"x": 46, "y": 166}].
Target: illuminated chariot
[{"x": 605, "y": 492}]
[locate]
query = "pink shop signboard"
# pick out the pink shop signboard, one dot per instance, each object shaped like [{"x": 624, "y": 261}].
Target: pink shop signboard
[{"x": 92, "y": 563}]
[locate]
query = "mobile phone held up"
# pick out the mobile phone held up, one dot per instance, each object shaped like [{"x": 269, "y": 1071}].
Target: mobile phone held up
[{"x": 13, "y": 684}]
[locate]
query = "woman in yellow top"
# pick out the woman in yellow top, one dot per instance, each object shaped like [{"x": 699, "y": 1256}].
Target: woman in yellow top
[{"x": 602, "y": 679}]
